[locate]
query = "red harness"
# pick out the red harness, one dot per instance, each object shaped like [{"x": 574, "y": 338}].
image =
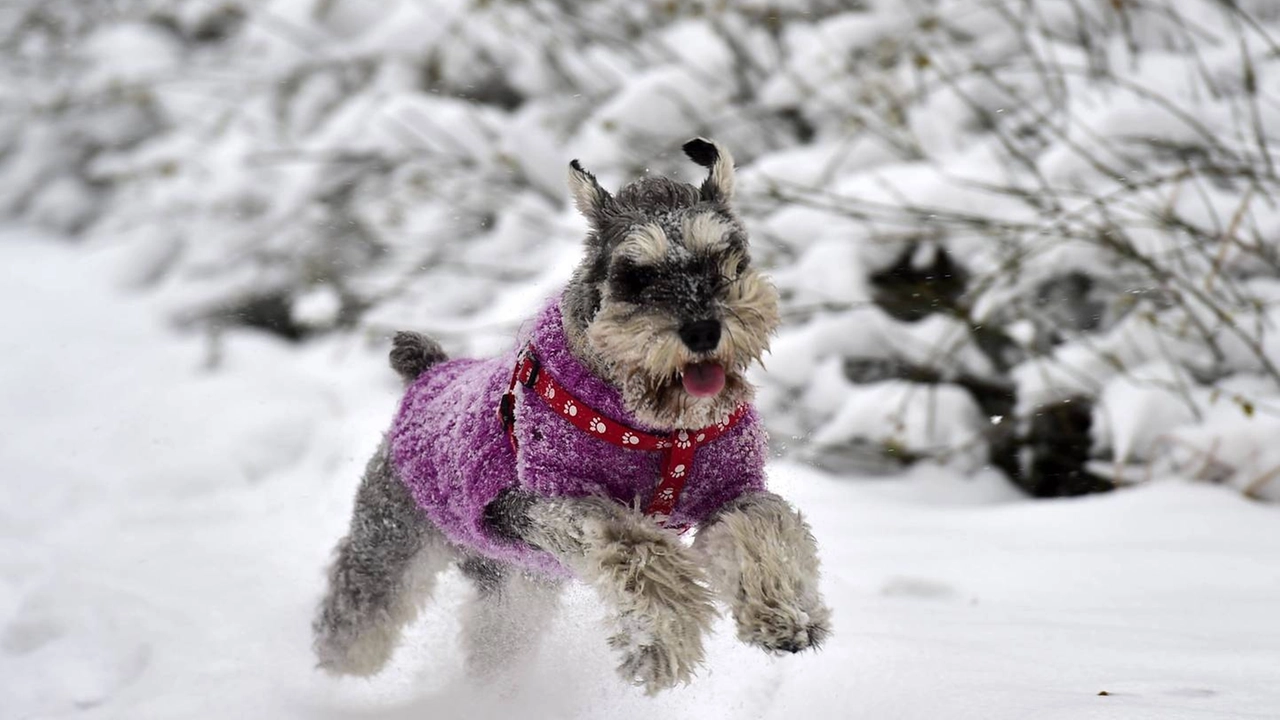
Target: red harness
[{"x": 677, "y": 447}]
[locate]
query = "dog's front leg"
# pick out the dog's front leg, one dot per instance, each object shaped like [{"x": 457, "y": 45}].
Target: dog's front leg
[
  {"x": 643, "y": 572},
  {"x": 763, "y": 561}
]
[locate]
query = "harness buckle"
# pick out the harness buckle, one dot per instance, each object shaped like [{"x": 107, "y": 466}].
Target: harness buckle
[
  {"x": 507, "y": 411},
  {"x": 535, "y": 367}
]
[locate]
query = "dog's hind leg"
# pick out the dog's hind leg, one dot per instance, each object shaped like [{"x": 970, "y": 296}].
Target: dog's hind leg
[
  {"x": 763, "y": 561},
  {"x": 502, "y": 624},
  {"x": 641, "y": 571},
  {"x": 383, "y": 570}
]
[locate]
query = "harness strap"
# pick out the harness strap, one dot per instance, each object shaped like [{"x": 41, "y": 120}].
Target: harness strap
[{"x": 677, "y": 447}]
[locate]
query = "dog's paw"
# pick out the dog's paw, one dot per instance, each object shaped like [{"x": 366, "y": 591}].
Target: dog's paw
[
  {"x": 663, "y": 650},
  {"x": 655, "y": 666},
  {"x": 664, "y": 606},
  {"x": 660, "y": 639},
  {"x": 782, "y": 626}
]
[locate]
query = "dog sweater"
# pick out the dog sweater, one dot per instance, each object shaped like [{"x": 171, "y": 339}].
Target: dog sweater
[{"x": 449, "y": 446}]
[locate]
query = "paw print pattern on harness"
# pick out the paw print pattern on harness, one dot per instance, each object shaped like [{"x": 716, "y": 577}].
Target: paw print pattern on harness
[{"x": 677, "y": 447}]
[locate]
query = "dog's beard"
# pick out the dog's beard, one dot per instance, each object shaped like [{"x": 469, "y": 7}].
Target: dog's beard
[{"x": 641, "y": 352}]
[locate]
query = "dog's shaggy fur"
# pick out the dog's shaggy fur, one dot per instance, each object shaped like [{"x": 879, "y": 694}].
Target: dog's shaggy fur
[{"x": 666, "y": 287}]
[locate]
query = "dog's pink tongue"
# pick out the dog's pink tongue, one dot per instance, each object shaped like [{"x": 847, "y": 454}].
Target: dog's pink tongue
[{"x": 703, "y": 379}]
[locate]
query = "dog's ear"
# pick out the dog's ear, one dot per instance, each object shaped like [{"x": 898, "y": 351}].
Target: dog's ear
[
  {"x": 588, "y": 196},
  {"x": 719, "y": 183}
]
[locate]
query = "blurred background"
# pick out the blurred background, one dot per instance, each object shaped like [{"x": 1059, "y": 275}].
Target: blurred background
[{"x": 1027, "y": 248}]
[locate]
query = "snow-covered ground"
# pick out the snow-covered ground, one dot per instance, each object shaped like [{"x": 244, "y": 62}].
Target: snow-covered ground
[{"x": 164, "y": 525}]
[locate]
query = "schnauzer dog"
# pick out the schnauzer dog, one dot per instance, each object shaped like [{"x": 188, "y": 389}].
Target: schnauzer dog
[{"x": 621, "y": 418}]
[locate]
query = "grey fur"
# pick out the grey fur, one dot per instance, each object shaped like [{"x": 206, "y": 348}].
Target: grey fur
[
  {"x": 757, "y": 552},
  {"x": 412, "y": 353},
  {"x": 382, "y": 571},
  {"x": 719, "y": 182},
  {"x": 501, "y": 626},
  {"x": 590, "y": 199},
  {"x": 644, "y": 573},
  {"x": 620, "y": 305},
  {"x": 487, "y": 575},
  {"x": 763, "y": 562},
  {"x": 647, "y": 199}
]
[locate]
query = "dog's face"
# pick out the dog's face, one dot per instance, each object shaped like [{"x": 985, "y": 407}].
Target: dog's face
[{"x": 666, "y": 304}]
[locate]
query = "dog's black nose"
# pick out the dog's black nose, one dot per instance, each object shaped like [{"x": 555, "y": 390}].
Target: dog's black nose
[{"x": 701, "y": 335}]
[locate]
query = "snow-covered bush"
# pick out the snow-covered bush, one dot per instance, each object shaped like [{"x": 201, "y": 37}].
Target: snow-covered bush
[
  {"x": 1084, "y": 192},
  {"x": 1038, "y": 234}
]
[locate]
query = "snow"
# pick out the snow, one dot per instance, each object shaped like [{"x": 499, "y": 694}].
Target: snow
[
  {"x": 1099, "y": 174},
  {"x": 1136, "y": 410},
  {"x": 170, "y": 501},
  {"x": 367, "y": 164},
  {"x": 317, "y": 307},
  {"x": 129, "y": 52},
  {"x": 910, "y": 417}
]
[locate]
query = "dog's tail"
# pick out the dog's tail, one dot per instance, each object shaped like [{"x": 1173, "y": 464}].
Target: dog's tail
[{"x": 412, "y": 353}]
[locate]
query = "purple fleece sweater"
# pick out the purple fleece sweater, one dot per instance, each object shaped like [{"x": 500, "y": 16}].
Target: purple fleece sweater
[{"x": 449, "y": 447}]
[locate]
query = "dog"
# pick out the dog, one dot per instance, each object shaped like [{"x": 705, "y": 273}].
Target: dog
[{"x": 621, "y": 418}]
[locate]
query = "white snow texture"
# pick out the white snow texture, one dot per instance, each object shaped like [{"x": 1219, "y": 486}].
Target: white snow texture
[
  {"x": 977, "y": 212},
  {"x": 165, "y": 528}
]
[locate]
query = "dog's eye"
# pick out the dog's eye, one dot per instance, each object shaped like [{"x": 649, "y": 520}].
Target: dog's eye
[{"x": 631, "y": 280}]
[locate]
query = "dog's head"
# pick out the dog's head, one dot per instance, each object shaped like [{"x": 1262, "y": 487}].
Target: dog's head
[{"x": 666, "y": 304}]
